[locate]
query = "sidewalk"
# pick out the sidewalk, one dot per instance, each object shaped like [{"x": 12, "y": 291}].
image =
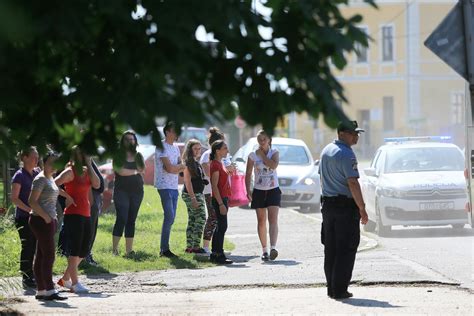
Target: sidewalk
[
  {"x": 294, "y": 283},
  {"x": 257, "y": 301}
]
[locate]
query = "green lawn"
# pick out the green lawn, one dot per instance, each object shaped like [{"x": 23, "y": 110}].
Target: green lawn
[{"x": 147, "y": 240}]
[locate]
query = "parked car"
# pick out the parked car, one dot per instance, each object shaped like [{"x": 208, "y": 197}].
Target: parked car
[
  {"x": 147, "y": 149},
  {"x": 415, "y": 181},
  {"x": 297, "y": 172}
]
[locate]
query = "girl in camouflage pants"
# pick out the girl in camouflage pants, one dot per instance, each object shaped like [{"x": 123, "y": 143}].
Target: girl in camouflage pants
[{"x": 193, "y": 196}]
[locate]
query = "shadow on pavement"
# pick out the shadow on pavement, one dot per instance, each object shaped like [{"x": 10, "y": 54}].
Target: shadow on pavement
[
  {"x": 239, "y": 259},
  {"x": 105, "y": 276},
  {"x": 57, "y": 304},
  {"x": 368, "y": 303},
  {"x": 95, "y": 295},
  {"x": 236, "y": 265},
  {"x": 424, "y": 232},
  {"x": 282, "y": 262}
]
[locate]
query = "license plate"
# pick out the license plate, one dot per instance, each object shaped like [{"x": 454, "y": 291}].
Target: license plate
[
  {"x": 429, "y": 206},
  {"x": 288, "y": 192}
]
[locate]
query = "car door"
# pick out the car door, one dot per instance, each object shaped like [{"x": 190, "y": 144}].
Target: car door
[{"x": 371, "y": 182}]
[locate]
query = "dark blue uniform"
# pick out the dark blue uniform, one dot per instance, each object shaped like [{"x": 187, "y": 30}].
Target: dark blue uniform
[{"x": 340, "y": 232}]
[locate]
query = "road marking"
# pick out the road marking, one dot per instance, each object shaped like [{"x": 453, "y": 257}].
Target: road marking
[
  {"x": 369, "y": 243},
  {"x": 419, "y": 268}
]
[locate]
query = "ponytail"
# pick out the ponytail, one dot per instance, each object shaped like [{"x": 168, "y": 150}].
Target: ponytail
[{"x": 215, "y": 147}]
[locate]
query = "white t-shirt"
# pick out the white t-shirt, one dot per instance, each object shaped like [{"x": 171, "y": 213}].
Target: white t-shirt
[
  {"x": 164, "y": 179},
  {"x": 205, "y": 159},
  {"x": 265, "y": 177}
]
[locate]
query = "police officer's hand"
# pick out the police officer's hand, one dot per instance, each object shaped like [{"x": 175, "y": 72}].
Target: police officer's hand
[{"x": 364, "y": 218}]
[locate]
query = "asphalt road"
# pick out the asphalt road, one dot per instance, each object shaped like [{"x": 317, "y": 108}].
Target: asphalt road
[{"x": 443, "y": 250}]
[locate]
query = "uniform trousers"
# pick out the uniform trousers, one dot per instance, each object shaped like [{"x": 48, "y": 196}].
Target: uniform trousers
[{"x": 340, "y": 235}]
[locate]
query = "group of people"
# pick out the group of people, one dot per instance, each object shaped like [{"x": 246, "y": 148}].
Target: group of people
[
  {"x": 36, "y": 194},
  {"x": 207, "y": 187}
]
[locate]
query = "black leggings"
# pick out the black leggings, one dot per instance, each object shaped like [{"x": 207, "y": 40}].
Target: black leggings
[
  {"x": 28, "y": 247},
  {"x": 218, "y": 237},
  {"x": 127, "y": 205}
]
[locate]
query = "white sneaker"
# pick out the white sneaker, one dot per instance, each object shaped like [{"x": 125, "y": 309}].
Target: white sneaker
[
  {"x": 79, "y": 288},
  {"x": 66, "y": 284}
]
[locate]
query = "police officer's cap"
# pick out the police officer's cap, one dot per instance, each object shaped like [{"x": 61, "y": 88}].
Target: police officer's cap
[{"x": 349, "y": 126}]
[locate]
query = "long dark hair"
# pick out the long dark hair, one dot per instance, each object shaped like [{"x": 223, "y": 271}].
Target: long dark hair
[
  {"x": 214, "y": 134},
  {"x": 188, "y": 156},
  {"x": 133, "y": 149},
  {"x": 215, "y": 147}
]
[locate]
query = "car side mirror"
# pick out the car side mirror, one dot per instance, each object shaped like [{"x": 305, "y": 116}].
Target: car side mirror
[
  {"x": 240, "y": 159},
  {"x": 370, "y": 172}
]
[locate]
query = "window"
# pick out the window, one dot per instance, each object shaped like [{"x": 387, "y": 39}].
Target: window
[
  {"x": 361, "y": 50},
  {"x": 424, "y": 159},
  {"x": 457, "y": 103},
  {"x": 388, "y": 124},
  {"x": 387, "y": 43}
]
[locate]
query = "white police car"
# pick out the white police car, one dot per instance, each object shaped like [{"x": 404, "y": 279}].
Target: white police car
[{"x": 415, "y": 181}]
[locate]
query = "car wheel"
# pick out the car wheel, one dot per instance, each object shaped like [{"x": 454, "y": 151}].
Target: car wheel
[
  {"x": 370, "y": 226},
  {"x": 382, "y": 230},
  {"x": 457, "y": 226}
]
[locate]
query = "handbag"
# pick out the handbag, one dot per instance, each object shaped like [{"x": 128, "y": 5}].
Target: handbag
[{"x": 238, "y": 191}]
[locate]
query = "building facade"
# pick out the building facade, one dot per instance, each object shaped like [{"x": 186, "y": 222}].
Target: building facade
[{"x": 396, "y": 86}]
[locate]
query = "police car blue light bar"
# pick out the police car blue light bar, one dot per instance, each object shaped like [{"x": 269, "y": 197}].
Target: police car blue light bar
[{"x": 417, "y": 139}]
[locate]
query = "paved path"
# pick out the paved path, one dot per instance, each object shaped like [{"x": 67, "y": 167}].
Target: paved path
[{"x": 294, "y": 283}]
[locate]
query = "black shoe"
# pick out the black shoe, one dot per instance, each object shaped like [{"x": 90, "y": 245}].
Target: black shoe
[
  {"x": 168, "y": 254},
  {"x": 29, "y": 282},
  {"x": 342, "y": 296},
  {"x": 222, "y": 259},
  {"x": 273, "y": 254},
  {"x": 90, "y": 260},
  {"x": 39, "y": 297},
  {"x": 213, "y": 257},
  {"x": 265, "y": 256},
  {"x": 54, "y": 297},
  {"x": 131, "y": 255}
]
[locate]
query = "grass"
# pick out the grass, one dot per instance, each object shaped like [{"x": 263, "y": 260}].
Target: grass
[{"x": 146, "y": 245}]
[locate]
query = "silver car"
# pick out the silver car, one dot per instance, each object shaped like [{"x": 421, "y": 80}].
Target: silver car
[{"x": 297, "y": 172}]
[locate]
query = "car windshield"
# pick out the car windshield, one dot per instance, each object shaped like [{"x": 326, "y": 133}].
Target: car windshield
[
  {"x": 292, "y": 155},
  {"x": 424, "y": 159}
]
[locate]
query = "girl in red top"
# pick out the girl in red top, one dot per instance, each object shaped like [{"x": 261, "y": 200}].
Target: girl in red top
[
  {"x": 77, "y": 214},
  {"x": 220, "y": 196}
]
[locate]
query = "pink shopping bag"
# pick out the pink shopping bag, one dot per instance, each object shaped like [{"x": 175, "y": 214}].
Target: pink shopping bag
[{"x": 239, "y": 193}]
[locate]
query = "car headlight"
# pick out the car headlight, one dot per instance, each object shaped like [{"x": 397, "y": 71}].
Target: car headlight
[
  {"x": 308, "y": 181},
  {"x": 392, "y": 192}
]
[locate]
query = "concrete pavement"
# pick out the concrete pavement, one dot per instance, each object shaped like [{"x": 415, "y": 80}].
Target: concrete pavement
[{"x": 294, "y": 283}]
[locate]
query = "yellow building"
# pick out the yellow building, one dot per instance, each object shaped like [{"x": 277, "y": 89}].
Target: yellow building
[{"x": 395, "y": 87}]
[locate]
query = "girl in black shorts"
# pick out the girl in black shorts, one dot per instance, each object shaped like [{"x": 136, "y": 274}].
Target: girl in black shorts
[{"x": 266, "y": 195}]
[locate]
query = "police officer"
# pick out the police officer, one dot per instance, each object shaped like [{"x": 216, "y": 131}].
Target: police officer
[{"x": 342, "y": 209}]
